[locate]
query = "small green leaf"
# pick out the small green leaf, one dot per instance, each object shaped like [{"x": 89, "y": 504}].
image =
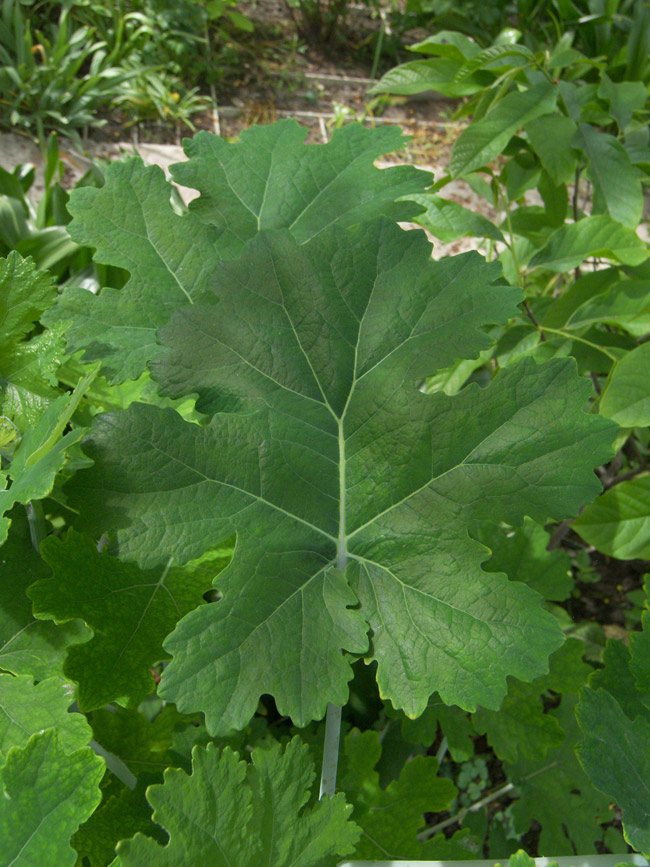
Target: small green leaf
[
  {"x": 229, "y": 812},
  {"x": 454, "y": 723},
  {"x": 41, "y": 453},
  {"x": 48, "y": 793},
  {"x": 618, "y": 680},
  {"x": 121, "y": 814},
  {"x": 437, "y": 74},
  {"x": 130, "y": 612},
  {"x": 24, "y": 294},
  {"x": 449, "y": 221},
  {"x": 520, "y": 725},
  {"x": 617, "y": 188},
  {"x": 522, "y": 554},
  {"x": 624, "y": 98},
  {"x": 618, "y": 523},
  {"x": 601, "y": 236},
  {"x": 447, "y": 43},
  {"x": 490, "y": 59},
  {"x": 140, "y": 743},
  {"x": 485, "y": 139},
  {"x": 28, "y": 373},
  {"x": 623, "y": 303},
  {"x": 550, "y": 136},
  {"x": 626, "y": 397}
]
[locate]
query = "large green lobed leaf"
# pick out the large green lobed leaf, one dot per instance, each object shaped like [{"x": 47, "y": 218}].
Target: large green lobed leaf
[
  {"x": 350, "y": 490},
  {"x": 270, "y": 179}
]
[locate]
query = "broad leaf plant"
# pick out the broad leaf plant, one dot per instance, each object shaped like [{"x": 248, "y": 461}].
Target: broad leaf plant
[{"x": 274, "y": 505}]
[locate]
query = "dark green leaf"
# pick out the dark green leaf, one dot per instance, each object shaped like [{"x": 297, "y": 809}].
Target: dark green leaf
[
  {"x": 129, "y": 610},
  {"x": 614, "y": 753},
  {"x": 27, "y": 645},
  {"x": 617, "y": 188}
]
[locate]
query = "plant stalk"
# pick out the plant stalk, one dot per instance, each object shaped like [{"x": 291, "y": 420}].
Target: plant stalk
[
  {"x": 36, "y": 520},
  {"x": 333, "y": 717},
  {"x": 330, "y": 751},
  {"x": 429, "y": 832}
]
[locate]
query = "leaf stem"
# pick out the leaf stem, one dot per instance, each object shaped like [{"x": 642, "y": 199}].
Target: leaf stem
[
  {"x": 115, "y": 765},
  {"x": 333, "y": 717},
  {"x": 568, "y": 336},
  {"x": 473, "y": 808},
  {"x": 476, "y": 806},
  {"x": 330, "y": 751},
  {"x": 36, "y": 520}
]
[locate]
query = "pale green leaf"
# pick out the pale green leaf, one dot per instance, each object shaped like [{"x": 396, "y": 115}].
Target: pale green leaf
[
  {"x": 437, "y": 74},
  {"x": 496, "y": 58},
  {"x": 130, "y": 611},
  {"x": 626, "y": 397},
  {"x": 625, "y": 304},
  {"x": 447, "y": 43},
  {"x": 485, "y": 139},
  {"x": 229, "y": 812},
  {"x": 48, "y": 793},
  {"x": 618, "y": 523},
  {"x": 600, "y": 236},
  {"x": 131, "y": 223},
  {"x": 28, "y": 377},
  {"x": 41, "y": 453},
  {"x": 24, "y": 294},
  {"x": 449, "y": 221},
  {"x": 27, "y": 708},
  {"x": 270, "y": 179}
]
